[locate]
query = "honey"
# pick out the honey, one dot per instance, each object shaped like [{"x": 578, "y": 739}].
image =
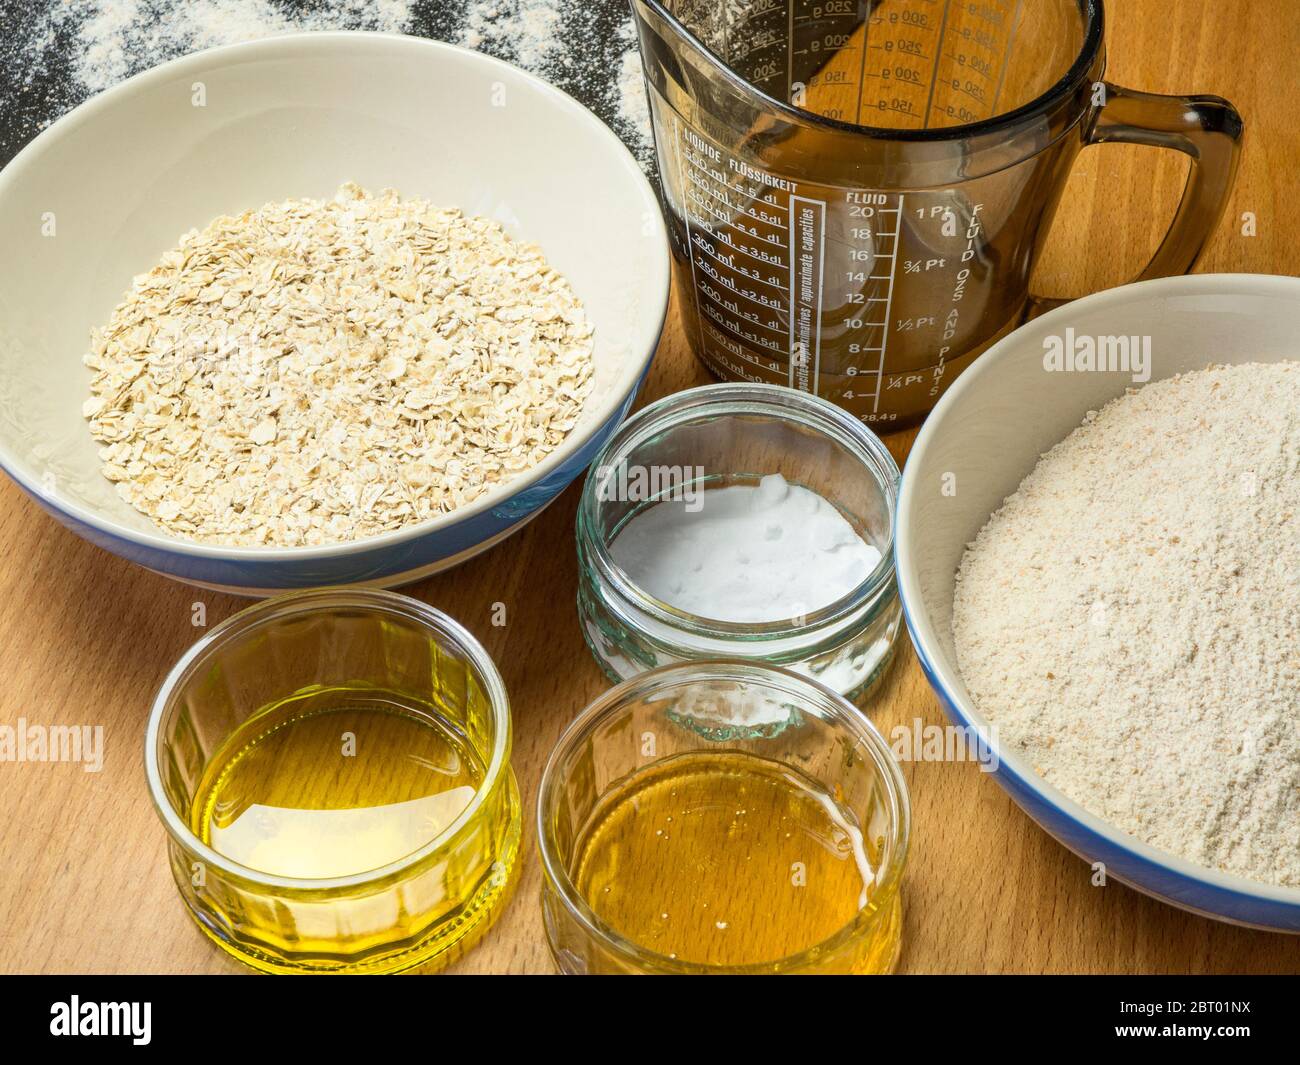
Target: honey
[{"x": 730, "y": 860}]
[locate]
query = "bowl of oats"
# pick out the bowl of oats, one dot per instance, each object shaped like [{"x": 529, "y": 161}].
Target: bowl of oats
[{"x": 322, "y": 309}]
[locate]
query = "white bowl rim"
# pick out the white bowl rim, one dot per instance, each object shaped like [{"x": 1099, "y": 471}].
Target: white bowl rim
[
  {"x": 495, "y": 496},
  {"x": 910, "y": 592}
]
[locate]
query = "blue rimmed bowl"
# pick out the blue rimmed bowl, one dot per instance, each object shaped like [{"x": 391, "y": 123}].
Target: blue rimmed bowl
[
  {"x": 988, "y": 432},
  {"x": 100, "y": 195}
]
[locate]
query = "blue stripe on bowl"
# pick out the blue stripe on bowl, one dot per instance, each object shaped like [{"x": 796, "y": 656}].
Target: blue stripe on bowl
[{"x": 364, "y": 565}]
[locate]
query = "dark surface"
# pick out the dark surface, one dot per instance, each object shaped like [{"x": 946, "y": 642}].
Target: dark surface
[{"x": 36, "y": 85}]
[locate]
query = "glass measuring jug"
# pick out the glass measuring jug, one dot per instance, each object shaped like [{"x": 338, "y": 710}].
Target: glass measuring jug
[{"x": 857, "y": 190}]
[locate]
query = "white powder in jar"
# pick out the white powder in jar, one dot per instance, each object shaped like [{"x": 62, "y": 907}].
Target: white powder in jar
[
  {"x": 1130, "y": 617},
  {"x": 749, "y": 554}
]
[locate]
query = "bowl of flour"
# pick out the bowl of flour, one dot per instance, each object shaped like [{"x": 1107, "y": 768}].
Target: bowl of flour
[{"x": 1097, "y": 543}]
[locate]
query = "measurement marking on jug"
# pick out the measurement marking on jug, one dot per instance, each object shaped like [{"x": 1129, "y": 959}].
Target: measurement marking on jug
[
  {"x": 934, "y": 78},
  {"x": 754, "y": 253},
  {"x": 752, "y": 318},
  {"x": 716, "y": 178},
  {"x": 1006, "y": 55},
  {"x": 739, "y": 352},
  {"x": 729, "y": 221},
  {"x": 871, "y": 215},
  {"x": 737, "y": 234},
  {"x": 684, "y": 150},
  {"x": 759, "y": 217},
  {"x": 862, "y": 74},
  {"x": 731, "y": 326},
  {"x": 734, "y": 309},
  {"x": 717, "y": 321},
  {"x": 775, "y": 283},
  {"x": 725, "y": 315},
  {"x": 807, "y": 260},
  {"x": 889, "y": 300}
]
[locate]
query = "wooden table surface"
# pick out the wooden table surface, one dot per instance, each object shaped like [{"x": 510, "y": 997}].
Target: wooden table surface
[{"x": 86, "y": 637}]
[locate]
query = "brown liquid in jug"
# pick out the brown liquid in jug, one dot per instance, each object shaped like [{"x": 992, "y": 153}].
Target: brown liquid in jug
[{"x": 873, "y": 298}]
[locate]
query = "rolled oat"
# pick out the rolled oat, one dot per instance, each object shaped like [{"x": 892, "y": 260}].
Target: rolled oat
[{"x": 316, "y": 371}]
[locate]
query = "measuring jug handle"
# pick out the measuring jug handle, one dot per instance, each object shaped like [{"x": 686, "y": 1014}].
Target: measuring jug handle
[{"x": 1207, "y": 129}]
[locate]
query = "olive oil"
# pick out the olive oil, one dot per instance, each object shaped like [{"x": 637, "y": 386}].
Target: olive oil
[
  {"x": 334, "y": 792},
  {"x": 346, "y": 783},
  {"x": 729, "y": 860}
]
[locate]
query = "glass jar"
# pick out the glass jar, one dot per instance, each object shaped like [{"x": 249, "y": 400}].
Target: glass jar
[
  {"x": 727, "y": 434},
  {"x": 321, "y": 652},
  {"x": 657, "y": 719}
]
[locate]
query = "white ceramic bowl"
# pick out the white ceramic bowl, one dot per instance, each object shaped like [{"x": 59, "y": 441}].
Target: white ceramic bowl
[
  {"x": 120, "y": 178},
  {"x": 989, "y": 430}
]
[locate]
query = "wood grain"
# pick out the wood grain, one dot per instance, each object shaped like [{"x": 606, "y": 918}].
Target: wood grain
[{"x": 86, "y": 638}]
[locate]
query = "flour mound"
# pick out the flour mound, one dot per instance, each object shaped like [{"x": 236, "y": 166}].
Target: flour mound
[{"x": 1130, "y": 617}]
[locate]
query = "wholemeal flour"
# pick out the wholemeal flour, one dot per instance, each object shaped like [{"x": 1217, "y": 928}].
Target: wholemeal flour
[{"x": 1130, "y": 618}]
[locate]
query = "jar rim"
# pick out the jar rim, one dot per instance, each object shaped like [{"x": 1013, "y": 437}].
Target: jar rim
[
  {"x": 812, "y": 695},
  {"x": 728, "y": 398},
  {"x": 316, "y": 600}
]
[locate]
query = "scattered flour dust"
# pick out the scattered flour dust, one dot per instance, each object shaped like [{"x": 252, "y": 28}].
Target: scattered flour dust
[
  {"x": 528, "y": 29},
  {"x": 633, "y": 106},
  {"x": 102, "y": 42},
  {"x": 118, "y": 38},
  {"x": 1130, "y": 617},
  {"x": 553, "y": 39}
]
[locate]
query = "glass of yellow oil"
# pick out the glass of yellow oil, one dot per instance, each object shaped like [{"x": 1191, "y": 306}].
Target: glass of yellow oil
[
  {"x": 722, "y": 817},
  {"x": 333, "y": 770}
]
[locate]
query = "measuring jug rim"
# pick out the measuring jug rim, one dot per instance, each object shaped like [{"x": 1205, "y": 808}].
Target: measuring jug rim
[{"x": 1093, "y": 36}]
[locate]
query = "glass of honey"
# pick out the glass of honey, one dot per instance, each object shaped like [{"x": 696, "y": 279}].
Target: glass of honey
[
  {"x": 722, "y": 817},
  {"x": 333, "y": 771}
]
